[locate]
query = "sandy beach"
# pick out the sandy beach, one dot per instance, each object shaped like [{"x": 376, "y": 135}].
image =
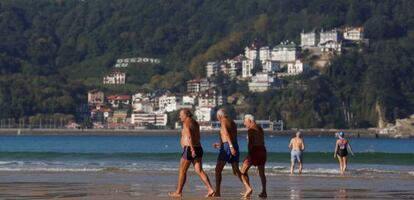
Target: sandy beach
[{"x": 121, "y": 185}]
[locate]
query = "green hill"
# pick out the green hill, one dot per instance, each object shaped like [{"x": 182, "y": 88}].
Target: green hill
[{"x": 53, "y": 51}]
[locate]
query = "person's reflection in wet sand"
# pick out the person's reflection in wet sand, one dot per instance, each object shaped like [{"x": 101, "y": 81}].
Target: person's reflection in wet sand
[
  {"x": 295, "y": 194},
  {"x": 341, "y": 194}
]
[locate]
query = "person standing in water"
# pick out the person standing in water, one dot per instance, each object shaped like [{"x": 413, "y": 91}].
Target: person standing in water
[
  {"x": 342, "y": 147},
  {"x": 297, "y": 146}
]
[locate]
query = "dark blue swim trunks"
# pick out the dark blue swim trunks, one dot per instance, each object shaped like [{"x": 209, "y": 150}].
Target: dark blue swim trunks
[{"x": 225, "y": 153}]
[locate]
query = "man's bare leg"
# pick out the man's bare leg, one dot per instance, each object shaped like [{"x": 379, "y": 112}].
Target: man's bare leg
[
  {"x": 219, "y": 168},
  {"x": 292, "y": 166},
  {"x": 245, "y": 178},
  {"x": 182, "y": 177},
  {"x": 300, "y": 167},
  {"x": 262, "y": 175},
  {"x": 236, "y": 171},
  {"x": 198, "y": 167}
]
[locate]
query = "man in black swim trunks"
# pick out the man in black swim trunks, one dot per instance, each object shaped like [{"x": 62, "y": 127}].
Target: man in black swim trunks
[{"x": 192, "y": 153}]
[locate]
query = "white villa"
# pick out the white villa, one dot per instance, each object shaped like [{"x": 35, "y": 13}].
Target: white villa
[
  {"x": 204, "y": 114},
  {"x": 310, "y": 39},
  {"x": 297, "y": 67},
  {"x": 354, "y": 33},
  {"x": 169, "y": 103},
  {"x": 261, "y": 82},
  {"x": 154, "y": 118},
  {"x": 331, "y": 35},
  {"x": 115, "y": 78},
  {"x": 285, "y": 52}
]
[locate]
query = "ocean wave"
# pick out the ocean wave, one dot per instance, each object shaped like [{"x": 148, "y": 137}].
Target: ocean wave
[
  {"x": 270, "y": 171},
  {"x": 311, "y": 157},
  {"x": 48, "y": 169}
]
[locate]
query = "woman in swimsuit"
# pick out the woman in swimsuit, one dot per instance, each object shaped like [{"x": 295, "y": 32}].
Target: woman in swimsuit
[{"x": 342, "y": 147}]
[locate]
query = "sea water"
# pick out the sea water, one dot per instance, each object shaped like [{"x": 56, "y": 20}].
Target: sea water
[{"x": 161, "y": 154}]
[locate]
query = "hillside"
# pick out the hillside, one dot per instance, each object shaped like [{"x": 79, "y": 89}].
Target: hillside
[{"x": 53, "y": 51}]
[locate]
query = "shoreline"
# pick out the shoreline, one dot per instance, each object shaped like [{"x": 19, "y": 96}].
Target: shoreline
[
  {"x": 353, "y": 133},
  {"x": 94, "y": 186}
]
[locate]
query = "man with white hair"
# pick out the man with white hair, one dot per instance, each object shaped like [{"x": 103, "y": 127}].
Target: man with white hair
[
  {"x": 256, "y": 154},
  {"x": 229, "y": 149},
  {"x": 297, "y": 146}
]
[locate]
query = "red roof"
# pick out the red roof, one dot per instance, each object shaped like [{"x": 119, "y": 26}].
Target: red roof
[
  {"x": 119, "y": 97},
  {"x": 102, "y": 110}
]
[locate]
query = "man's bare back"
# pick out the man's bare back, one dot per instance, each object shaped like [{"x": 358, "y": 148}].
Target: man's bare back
[
  {"x": 256, "y": 136},
  {"x": 296, "y": 144}
]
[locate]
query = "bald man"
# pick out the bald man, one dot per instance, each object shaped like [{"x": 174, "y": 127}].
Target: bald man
[{"x": 229, "y": 150}]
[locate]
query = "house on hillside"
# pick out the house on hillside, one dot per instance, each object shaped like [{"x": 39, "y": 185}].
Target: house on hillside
[
  {"x": 309, "y": 39},
  {"x": 95, "y": 97},
  {"x": 331, "y": 35},
  {"x": 211, "y": 98},
  {"x": 261, "y": 82},
  {"x": 297, "y": 67},
  {"x": 204, "y": 114},
  {"x": 353, "y": 33},
  {"x": 285, "y": 52},
  {"x": 115, "y": 78},
  {"x": 199, "y": 85},
  {"x": 141, "y": 119},
  {"x": 119, "y": 100}
]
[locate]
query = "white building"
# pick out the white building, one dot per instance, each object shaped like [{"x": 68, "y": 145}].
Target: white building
[
  {"x": 141, "y": 97},
  {"x": 204, "y": 114},
  {"x": 331, "y": 47},
  {"x": 250, "y": 53},
  {"x": 247, "y": 66},
  {"x": 143, "y": 106},
  {"x": 235, "y": 65},
  {"x": 297, "y": 67},
  {"x": 144, "y": 119},
  {"x": 354, "y": 33},
  {"x": 264, "y": 53},
  {"x": 270, "y": 66},
  {"x": 285, "y": 52},
  {"x": 95, "y": 97},
  {"x": 189, "y": 100},
  {"x": 212, "y": 69},
  {"x": 310, "y": 39},
  {"x": 332, "y": 35},
  {"x": 210, "y": 98},
  {"x": 117, "y": 100},
  {"x": 169, "y": 103},
  {"x": 261, "y": 82},
  {"x": 199, "y": 85},
  {"x": 115, "y": 78}
]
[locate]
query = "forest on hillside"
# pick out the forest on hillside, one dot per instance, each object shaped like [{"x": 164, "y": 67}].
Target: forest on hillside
[{"x": 53, "y": 51}]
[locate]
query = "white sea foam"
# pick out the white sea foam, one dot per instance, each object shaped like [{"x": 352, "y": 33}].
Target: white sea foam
[
  {"x": 6, "y": 162},
  {"x": 39, "y": 169}
]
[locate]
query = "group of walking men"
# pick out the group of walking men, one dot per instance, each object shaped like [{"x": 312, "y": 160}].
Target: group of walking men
[{"x": 228, "y": 153}]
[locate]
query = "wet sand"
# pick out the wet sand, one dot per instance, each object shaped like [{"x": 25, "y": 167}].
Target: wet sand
[{"x": 127, "y": 185}]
